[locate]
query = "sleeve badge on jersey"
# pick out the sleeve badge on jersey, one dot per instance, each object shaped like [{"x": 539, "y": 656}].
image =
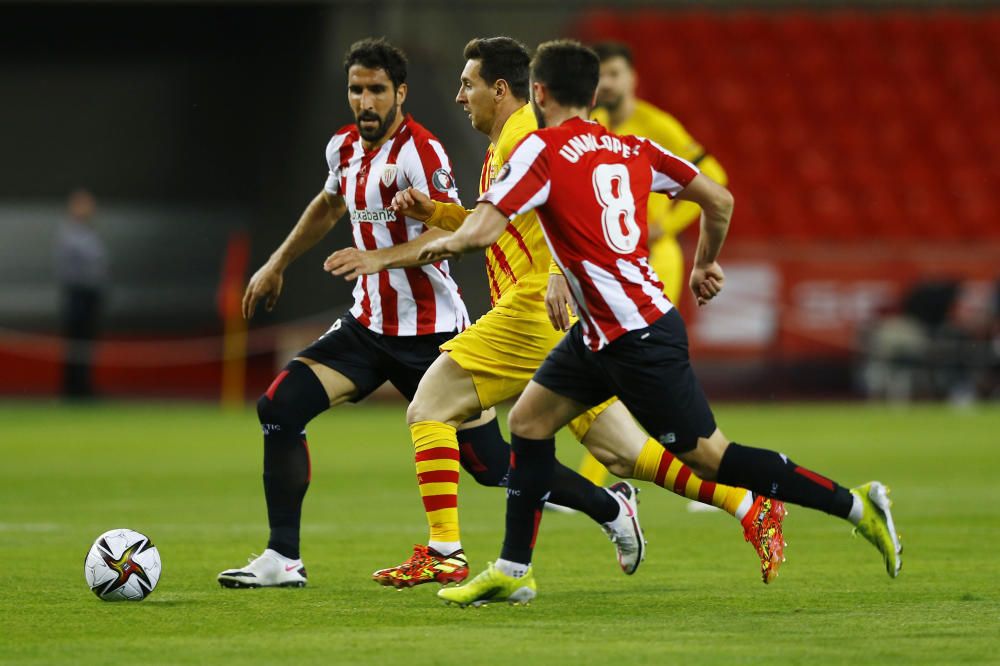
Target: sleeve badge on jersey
[
  {"x": 389, "y": 174},
  {"x": 442, "y": 180},
  {"x": 503, "y": 173}
]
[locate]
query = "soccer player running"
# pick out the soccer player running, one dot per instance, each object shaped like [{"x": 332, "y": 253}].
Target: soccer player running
[
  {"x": 494, "y": 359},
  {"x": 393, "y": 332},
  {"x": 590, "y": 188},
  {"x": 621, "y": 111}
]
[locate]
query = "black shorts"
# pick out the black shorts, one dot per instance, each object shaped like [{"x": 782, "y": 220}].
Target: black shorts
[
  {"x": 650, "y": 372},
  {"x": 370, "y": 359}
]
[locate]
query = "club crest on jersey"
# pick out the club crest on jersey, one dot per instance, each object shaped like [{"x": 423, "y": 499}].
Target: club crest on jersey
[
  {"x": 442, "y": 180},
  {"x": 389, "y": 174}
]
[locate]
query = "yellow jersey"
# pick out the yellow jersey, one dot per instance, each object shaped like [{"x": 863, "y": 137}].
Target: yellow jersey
[{"x": 518, "y": 264}]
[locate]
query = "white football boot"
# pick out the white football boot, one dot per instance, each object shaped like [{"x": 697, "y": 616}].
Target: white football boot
[
  {"x": 624, "y": 531},
  {"x": 272, "y": 569}
]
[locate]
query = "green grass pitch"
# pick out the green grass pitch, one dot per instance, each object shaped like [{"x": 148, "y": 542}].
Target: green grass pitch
[{"x": 189, "y": 477}]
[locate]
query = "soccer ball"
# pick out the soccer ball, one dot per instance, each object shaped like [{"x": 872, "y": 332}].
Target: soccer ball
[{"x": 122, "y": 565}]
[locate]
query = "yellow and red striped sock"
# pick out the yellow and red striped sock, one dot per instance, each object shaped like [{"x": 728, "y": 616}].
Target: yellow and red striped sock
[
  {"x": 659, "y": 466},
  {"x": 436, "y": 450}
]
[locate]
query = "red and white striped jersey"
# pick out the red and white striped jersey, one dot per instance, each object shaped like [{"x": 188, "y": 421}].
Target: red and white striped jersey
[
  {"x": 397, "y": 301},
  {"x": 590, "y": 189}
]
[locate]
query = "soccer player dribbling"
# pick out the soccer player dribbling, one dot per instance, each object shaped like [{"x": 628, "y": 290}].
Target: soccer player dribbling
[
  {"x": 400, "y": 318},
  {"x": 589, "y": 188},
  {"x": 494, "y": 359}
]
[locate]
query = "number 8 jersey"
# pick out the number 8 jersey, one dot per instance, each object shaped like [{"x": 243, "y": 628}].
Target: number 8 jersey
[{"x": 590, "y": 189}]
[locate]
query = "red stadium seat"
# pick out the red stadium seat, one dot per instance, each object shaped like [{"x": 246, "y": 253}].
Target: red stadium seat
[{"x": 841, "y": 125}]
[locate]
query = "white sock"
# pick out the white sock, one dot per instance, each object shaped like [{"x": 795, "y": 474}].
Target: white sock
[
  {"x": 857, "y": 510},
  {"x": 512, "y": 569},
  {"x": 744, "y": 506},
  {"x": 445, "y": 547}
]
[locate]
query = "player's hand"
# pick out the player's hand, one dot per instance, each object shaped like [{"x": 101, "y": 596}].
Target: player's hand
[
  {"x": 411, "y": 202},
  {"x": 437, "y": 250},
  {"x": 352, "y": 263},
  {"x": 706, "y": 282},
  {"x": 266, "y": 283},
  {"x": 559, "y": 302}
]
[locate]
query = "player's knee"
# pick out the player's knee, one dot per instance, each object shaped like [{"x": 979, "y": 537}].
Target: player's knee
[
  {"x": 428, "y": 406},
  {"x": 417, "y": 411},
  {"x": 524, "y": 423},
  {"x": 620, "y": 467},
  {"x": 265, "y": 412},
  {"x": 293, "y": 399},
  {"x": 705, "y": 458}
]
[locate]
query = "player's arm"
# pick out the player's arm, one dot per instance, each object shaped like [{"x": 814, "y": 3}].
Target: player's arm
[
  {"x": 415, "y": 204},
  {"x": 314, "y": 223},
  {"x": 523, "y": 184},
  {"x": 716, "y": 204},
  {"x": 681, "y": 214},
  {"x": 351, "y": 262},
  {"x": 481, "y": 229}
]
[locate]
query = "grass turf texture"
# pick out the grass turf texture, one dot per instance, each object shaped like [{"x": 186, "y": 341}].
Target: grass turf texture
[{"x": 189, "y": 477}]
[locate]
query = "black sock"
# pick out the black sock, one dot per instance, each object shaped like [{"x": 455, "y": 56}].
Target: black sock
[
  {"x": 286, "y": 480},
  {"x": 531, "y": 464},
  {"x": 768, "y": 473},
  {"x": 574, "y": 491},
  {"x": 484, "y": 454},
  {"x": 293, "y": 399}
]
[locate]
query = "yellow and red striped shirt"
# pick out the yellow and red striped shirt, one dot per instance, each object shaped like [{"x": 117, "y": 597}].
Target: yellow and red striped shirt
[{"x": 517, "y": 265}]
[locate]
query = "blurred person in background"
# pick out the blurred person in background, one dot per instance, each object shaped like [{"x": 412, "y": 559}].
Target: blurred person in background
[
  {"x": 82, "y": 268},
  {"x": 936, "y": 343},
  {"x": 619, "y": 110}
]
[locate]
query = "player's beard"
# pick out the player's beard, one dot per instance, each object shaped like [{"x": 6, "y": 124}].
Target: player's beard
[
  {"x": 609, "y": 102},
  {"x": 376, "y": 133},
  {"x": 538, "y": 114}
]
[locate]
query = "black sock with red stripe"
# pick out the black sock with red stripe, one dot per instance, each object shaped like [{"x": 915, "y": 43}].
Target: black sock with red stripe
[
  {"x": 484, "y": 454},
  {"x": 294, "y": 398},
  {"x": 531, "y": 464},
  {"x": 774, "y": 475}
]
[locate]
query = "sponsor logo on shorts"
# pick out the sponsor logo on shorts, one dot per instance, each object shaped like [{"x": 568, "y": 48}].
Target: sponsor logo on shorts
[
  {"x": 270, "y": 428},
  {"x": 442, "y": 180},
  {"x": 668, "y": 438}
]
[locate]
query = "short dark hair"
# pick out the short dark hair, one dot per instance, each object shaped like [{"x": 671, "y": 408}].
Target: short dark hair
[
  {"x": 501, "y": 58},
  {"x": 568, "y": 69},
  {"x": 377, "y": 53},
  {"x": 607, "y": 50}
]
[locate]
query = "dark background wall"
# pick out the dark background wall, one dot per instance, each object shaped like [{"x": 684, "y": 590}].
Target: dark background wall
[{"x": 163, "y": 110}]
